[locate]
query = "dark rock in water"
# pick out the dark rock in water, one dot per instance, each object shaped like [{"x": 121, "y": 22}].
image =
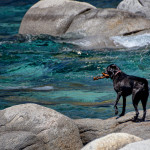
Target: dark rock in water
[
  {"x": 91, "y": 129},
  {"x": 31, "y": 126},
  {"x": 139, "y": 7},
  {"x": 81, "y": 23}
]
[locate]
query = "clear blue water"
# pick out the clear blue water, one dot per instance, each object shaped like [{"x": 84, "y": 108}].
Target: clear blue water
[{"x": 59, "y": 76}]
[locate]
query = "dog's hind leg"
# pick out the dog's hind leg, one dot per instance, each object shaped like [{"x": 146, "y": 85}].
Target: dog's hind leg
[
  {"x": 144, "y": 102},
  {"x": 135, "y": 100},
  {"x": 124, "y": 107}
]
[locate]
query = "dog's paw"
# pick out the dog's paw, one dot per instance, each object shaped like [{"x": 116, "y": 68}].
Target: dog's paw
[
  {"x": 136, "y": 119},
  {"x": 118, "y": 117},
  {"x": 122, "y": 114},
  {"x": 143, "y": 119}
]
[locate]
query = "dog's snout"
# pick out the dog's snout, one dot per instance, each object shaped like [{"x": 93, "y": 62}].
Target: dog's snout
[{"x": 106, "y": 75}]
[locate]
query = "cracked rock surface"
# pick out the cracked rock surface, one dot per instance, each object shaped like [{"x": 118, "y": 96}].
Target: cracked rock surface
[
  {"x": 31, "y": 126},
  {"x": 91, "y": 129}
]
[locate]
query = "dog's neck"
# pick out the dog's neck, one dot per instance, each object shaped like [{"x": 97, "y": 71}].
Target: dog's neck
[
  {"x": 115, "y": 75},
  {"x": 117, "y": 72}
]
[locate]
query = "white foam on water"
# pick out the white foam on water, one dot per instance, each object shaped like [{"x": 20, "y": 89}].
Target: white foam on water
[
  {"x": 13, "y": 87},
  {"x": 132, "y": 41},
  {"x": 2, "y": 43},
  {"x": 44, "y": 88},
  {"x": 5, "y": 42}
]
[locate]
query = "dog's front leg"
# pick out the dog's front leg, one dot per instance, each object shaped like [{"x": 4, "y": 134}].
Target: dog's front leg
[
  {"x": 124, "y": 107},
  {"x": 116, "y": 102}
]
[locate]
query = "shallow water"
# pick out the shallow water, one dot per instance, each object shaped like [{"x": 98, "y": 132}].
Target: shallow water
[{"x": 59, "y": 76}]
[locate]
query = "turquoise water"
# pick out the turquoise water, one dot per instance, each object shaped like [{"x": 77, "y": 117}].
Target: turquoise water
[{"x": 59, "y": 76}]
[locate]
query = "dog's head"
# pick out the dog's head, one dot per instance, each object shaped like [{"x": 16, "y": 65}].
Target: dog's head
[{"x": 111, "y": 71}]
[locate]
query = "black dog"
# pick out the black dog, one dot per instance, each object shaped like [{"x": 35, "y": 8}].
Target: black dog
[{"x": 126, "y": 85}]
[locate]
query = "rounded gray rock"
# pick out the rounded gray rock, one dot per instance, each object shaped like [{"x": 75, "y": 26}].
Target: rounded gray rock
[
  {"x": 141, "y": 145},
  {"x": 140, "y": 7},
  {"x": 52, "y": 17},
  {"x": 112, "y": 141},
  {"x": 31, "y": 126}
]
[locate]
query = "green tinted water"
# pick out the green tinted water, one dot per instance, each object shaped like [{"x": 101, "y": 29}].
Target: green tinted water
[{"x": 59, "y": 76}]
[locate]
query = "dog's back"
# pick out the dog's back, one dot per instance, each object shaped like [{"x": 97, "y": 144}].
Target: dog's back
[
  {"x": 129, "y": 84},
  {"x": 139, "y": 84}
]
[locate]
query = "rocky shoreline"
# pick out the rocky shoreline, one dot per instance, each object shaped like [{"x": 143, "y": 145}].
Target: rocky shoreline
[{"x": 31, "y": 126}]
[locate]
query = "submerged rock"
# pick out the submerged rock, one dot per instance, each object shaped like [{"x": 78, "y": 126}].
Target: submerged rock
[
  {"x": 112, "y": 141},
  {"x": 91, "y": 129},
  {"x": 139, "y": 7},
  {"x": 30, "y": 126},
  {"x": 81, "y": 23}
]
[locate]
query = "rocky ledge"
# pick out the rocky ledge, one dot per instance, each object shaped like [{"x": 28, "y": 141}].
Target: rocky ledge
[
  {"x": 84, "y": 25},
  {"x": 34, "y": 127},
  {"x": 91, "y": 129}
]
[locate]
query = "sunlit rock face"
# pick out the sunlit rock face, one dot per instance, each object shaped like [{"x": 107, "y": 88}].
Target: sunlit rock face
[
  {"x": 31, "y": 126},
  {"x": 81, "y": 23},
  {"x": 112, "y": 141},
  {"x": 52, "y": 17}
]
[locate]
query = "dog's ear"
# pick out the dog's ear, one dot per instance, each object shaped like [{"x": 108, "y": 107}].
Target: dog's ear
[
  {"x": 115, "y": 67},
  {"x": 112, "y": 69}
]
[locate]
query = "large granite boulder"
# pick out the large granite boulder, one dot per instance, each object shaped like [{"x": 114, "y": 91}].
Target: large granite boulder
[
  {"x": 91, "y": 129},
  {"x": 112, "y": 141},
  {"x": 30, "y": 126},
  {"x": 52, "y": 17},
  {"x": 108, "y": 22},
  {"x": 139, "y": 7},
  {"x": 81, "y": 23},
  {"x": 141, "y": 145},
  {"x": 99, "y": 26}
]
